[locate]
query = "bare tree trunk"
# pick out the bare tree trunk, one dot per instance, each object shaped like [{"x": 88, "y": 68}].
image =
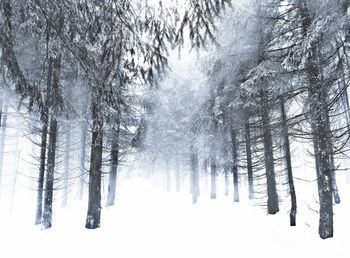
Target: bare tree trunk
[
  {"x": 113, "y": 167},
  {"x": 66, "y": 167},
  {"x": 40, "y": 190},
  {"x": 82, "y": 167},
  {"x": 177, "y": 175},
  {"x": 249, "y": 159},
  {"x": 226, "y": 175},
  {"x": 287, "y": 158},
  {"x": 335, "y": 191},
  {"x": 93, "y": 218},
  {"x": 167, "y": 176},
  {"x": 48, "y": 200},
  {"x": 1, "y": 106},
  {"x": 213, "y": 172},
  {"x": 272, "y": 197},
  {"x": 234, "y": 166},
  {"x": 194, "y": 176},
  {"x": 2, "y": 140}
]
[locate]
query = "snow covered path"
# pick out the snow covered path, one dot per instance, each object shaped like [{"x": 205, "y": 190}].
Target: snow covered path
[{"x": 167, "y": 225}]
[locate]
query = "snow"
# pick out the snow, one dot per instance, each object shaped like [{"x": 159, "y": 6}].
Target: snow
[{"x": 147, "y": 222}]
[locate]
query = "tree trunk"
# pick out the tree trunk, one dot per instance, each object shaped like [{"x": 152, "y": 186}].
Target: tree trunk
[
  {"x": 2, "y": 140},
  {"x": 66, "y": 167},
  {"x": 234, "y": 166},
  {"x": 287, "y": 158},
  {"x": 335, "y": 191},
  {"x": 40, "y": 190},
  {"x": 167, "y": 177},
  {"x": 318, "y": 118},
  {"x": 48, "y": 200},
  {"x": 1, "y": 105},
  {"x": 272, "y": 197},
  {"x": 226, "y": 175},
  {"x": 213, "y": 171},
  {"x": 177, "y": 175},
  {"x": 82, "y": 167},
  {"x": 194, "y": 176},
  {"x": 93, "y": 218},
  {"x": 112, "y": 181},
  {"x": 249, "y": 159}
]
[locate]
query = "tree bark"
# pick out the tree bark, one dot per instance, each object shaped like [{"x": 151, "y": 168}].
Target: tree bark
[
  {"x": 287, "y": 158},
  {"x": 40, "y": 190},
  {"x": 318, "y": 118},
  {"x": 93, "y": 218},
  {"x": 249, "y": 159},
  {"x": 234, "y": 166},
  {"x": 272, "y": 197},
  {"x": 112, "y": 181},
  {"x": 48, "y": 200}
]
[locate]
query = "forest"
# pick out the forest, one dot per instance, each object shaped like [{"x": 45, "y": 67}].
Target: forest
[{"x": 243, "y": 101}]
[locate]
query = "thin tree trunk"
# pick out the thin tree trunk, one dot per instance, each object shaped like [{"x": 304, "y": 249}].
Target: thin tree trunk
[
  {"x": 66, "y": 167},
  {"x": 40, "y": 190},
  {"x": 213, "y": 172},
  {"x": 249, "y": 159},
  {"x": 205, "y": 170},
  {"x": 177, "y": 175},
  {"x": 93, "y": 218},
  {"x": 1, "y": 106},
  {"x": 113, "y": 167},
  {"x": 234, "y": 166},
  {"x": 82, "y": 167},
  {"x": 194, "y": 176},
  {"x": 272, "y": 197},
  {"x": 335, "y": 191},
  {"x": 2, "y": 141},
  {"x": 48, "y": 200},
  {"x": 287, "y": 158},
  {"x": 167, "y": 177},
  {"x": 226, "y": 175}
]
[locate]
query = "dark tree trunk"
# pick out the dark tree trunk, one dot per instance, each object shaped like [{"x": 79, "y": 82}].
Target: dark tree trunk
[
  {"x": 249, "y": 159},
  {"x": 318, "y": 118},
  {"x": 234, "y": 166},
  {"x": 93, "y": 218},
  {"x": 66, "y": 167},
  {"x": 287, "y": 158},
  {"x": 177, "y": 175},
  {"x": 48, "y": 200},
  {"x": 194, "y": 176},
  {"x": 2, "y": 141},
  {"x": 213, "y": 172},
  {"x": 112, "y": 181},
  {"x": 272, "y": 197},
  {"x": 40, "y": 190}
]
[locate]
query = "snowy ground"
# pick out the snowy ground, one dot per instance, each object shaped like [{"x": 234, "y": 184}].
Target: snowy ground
[{"x": 150, "y": 223}]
